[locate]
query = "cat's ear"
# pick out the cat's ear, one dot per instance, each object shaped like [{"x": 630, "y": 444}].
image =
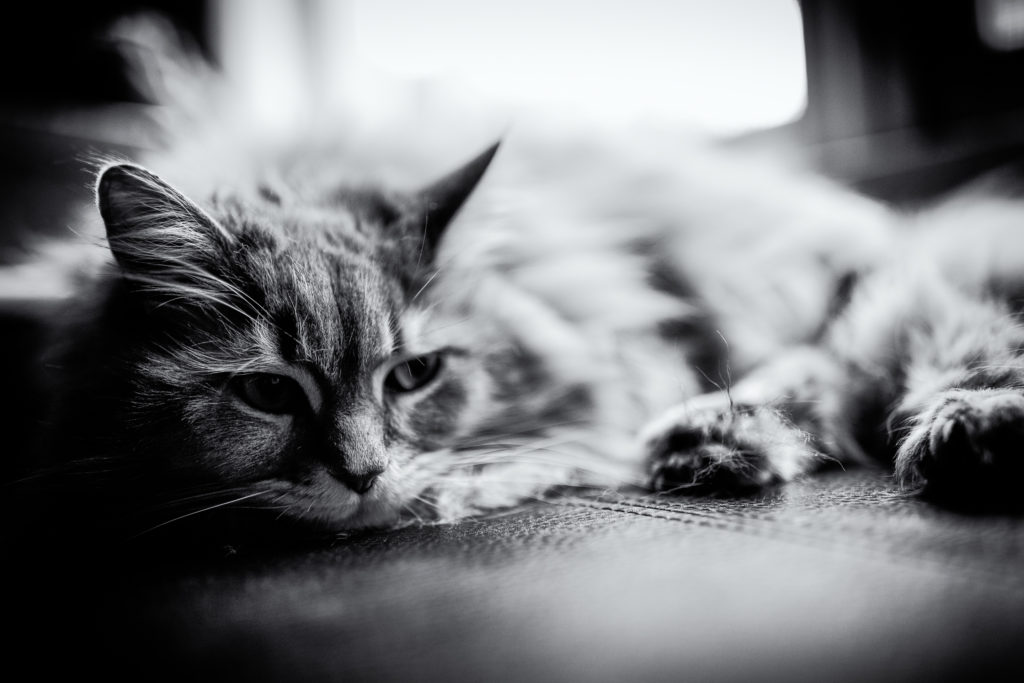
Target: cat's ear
[
  {"x": 441, "y": 200},
  {"x": 150, "y": 225}
]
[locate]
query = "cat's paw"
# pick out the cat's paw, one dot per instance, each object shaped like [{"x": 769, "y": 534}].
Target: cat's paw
[
  {"x": 711, "y": 446},
  {"x": 970, "y": 440}
]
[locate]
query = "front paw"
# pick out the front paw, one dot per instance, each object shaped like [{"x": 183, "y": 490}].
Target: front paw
[
  {"x": 967, "y": 441},
  {"x": 704, "y": 447}
]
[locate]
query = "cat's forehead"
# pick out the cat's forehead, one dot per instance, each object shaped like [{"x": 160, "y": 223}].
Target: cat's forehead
[
  {"x": 330, "y": 291},
  {"x": 335, "y": 304}
]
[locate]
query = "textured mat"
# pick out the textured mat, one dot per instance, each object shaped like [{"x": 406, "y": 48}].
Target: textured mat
[{"x": 840, "y": 578}]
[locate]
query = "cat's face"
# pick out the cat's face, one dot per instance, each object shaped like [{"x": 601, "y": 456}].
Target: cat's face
[{"x": 286, "y": 352}]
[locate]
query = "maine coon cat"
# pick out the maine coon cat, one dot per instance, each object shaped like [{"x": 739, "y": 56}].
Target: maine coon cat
[{"x": 547, "y": 315}]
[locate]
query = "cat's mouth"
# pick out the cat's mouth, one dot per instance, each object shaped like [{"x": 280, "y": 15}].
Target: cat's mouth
[{"x": 326, "y": 502}]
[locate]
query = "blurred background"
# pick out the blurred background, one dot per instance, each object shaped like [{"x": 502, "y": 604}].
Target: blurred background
[{"x": 901, "y": 100}]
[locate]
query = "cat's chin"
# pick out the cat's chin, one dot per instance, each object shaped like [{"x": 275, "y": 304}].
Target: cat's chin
[
  {"x": 367, "y": 514},
  {"x": 333, "y": 507}
]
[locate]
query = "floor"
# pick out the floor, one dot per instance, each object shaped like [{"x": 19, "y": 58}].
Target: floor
[{"x": 840, "y": 578}]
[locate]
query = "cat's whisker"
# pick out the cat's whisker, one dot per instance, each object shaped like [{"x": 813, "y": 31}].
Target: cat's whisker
[
  {"x": 511, "y": 428},
  {"x": 412, "y": 501},
  {"x": 540, "y": 452},
  {"x": 510, "y": 455},
  {"x": 429, "y": 308},
  {"x": 54, "y": 473},
  {"x": 561, "y": 439},
  {"x": 218, "y": 282},
  {"x": 215, "y": 290},
  {"x": 188, "y": 292},
  {"x": 199, "y": 512},
  {"x": 999, "y": 366},
  {"x": 411, "y": 510},
  {"x": 210, "y": 365},
  {"x": 244, "y": 367},
  {"x": 434, "y": 330},
  {"x": 425, "y": 285},
  {"x": 273, "y": 503},
  {"x": 201, "y": 495}
]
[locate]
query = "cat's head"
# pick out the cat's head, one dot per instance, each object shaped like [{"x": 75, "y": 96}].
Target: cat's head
[{"x": 284, "y": 351}]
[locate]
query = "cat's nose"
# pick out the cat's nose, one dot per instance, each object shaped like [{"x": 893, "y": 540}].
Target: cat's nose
[{"x": 360, "y": 483}]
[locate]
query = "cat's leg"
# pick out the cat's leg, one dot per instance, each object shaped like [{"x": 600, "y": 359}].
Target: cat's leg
[
  {"x": 775, "y": 424},
  {"x": 808, "y": 405},
  {"x": 951, "y": 362}
]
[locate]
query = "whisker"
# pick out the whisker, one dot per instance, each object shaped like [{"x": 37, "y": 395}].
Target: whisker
[
  {"x": 425, "y": 285},
  {"x": 197, "y": 512},
  {"x": 198, "y": 496},
  {"x": 408, "y": 508},
  {"x": 511, "y": 428},
  {"x": 434, "y": 330}
]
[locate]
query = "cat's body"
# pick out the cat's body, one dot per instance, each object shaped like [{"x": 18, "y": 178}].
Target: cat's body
[{"x": 347, "y": 356}]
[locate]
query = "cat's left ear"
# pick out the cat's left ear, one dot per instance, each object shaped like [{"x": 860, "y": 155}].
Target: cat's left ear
[
  {"x": 439, "y": 202},
  {"x": 152, "y": 228}
]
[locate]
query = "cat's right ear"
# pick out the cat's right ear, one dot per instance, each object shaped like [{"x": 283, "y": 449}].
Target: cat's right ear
[
  {"x": 150, "y": 225},
  {"x": 438, "y": 203}
]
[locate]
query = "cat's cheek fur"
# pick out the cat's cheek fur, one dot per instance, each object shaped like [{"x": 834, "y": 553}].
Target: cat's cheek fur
[
  {"x": 436, "y": 418},
  {"x": 237, "y": 445}
]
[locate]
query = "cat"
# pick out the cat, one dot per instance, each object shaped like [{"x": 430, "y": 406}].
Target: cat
[{"x": 344, "y": 355}]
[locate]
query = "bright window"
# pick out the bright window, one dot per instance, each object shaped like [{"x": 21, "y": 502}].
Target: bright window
[{"x": 725, "y": 66}]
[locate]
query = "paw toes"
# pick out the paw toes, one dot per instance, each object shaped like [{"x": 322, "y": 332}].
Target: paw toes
[
  {"x": 709, "y": 467},
  {"x": 969, "y": 440},
  {"x": 724, "y": 450}
]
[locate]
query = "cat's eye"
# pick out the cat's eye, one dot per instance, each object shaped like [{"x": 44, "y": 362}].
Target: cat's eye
[
  {"x": 269, "y": 393},
  {"x": 413, "y": 373}
]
